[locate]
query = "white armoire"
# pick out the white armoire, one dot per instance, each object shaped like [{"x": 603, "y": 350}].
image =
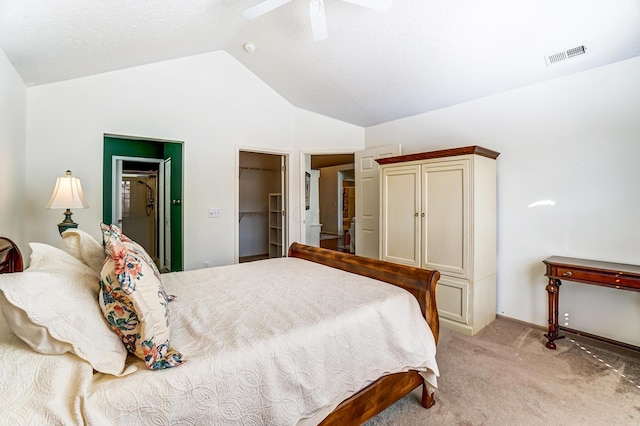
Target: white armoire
[{"x": 438, "y": 211}]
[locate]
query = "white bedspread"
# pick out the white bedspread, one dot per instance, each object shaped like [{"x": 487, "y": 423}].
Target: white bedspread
[{"x": 274, "y": 342}]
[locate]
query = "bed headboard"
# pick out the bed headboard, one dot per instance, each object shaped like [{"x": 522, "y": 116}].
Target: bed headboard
[{"x": 10, "y": 256}]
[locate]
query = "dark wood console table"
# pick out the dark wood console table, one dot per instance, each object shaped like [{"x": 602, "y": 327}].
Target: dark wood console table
[{"x": 606, "y": 274}]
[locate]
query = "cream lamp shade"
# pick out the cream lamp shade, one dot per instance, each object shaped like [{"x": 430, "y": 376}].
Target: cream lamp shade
[{"x": 67, "y": 194}]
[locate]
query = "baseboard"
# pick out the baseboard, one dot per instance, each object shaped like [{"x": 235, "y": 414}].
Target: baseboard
[
  {"x": 539, "y": 327},
  {"x": 622, "y": 350},
  {"x": 456, "y": 326}
]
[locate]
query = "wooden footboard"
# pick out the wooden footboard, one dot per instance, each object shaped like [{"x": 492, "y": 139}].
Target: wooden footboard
[{"x": 388, "y": 389}]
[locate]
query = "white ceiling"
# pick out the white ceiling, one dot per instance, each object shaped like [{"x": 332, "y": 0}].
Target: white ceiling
[{"x": 418, "y": 56}]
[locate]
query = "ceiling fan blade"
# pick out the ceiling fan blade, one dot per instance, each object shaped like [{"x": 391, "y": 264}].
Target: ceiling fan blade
[
  {"x": 264, "y": 7},
  {"x": 382, "y": 5},
  {"x": 318, "y": 20}
]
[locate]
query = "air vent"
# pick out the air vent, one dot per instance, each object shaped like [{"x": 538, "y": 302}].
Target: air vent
[{"x": 566, "y": 54}]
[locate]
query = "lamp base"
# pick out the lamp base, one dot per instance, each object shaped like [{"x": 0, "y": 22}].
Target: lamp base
[{"x": 67, "y": 223}]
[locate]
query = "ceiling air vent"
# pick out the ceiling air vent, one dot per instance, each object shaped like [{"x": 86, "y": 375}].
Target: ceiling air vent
[{"x": 566, "y": 54}]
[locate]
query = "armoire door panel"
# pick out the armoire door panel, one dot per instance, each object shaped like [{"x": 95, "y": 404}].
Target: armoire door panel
[
  {"x": 446, "y": 229},
  {"x": 452, "y": 299},
  {"x": 401, "y": 222}
]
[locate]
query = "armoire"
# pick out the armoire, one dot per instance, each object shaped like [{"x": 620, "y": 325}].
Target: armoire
[{"x": 438, "y": 211}]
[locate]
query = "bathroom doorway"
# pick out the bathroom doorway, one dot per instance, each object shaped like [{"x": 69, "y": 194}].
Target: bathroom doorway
[
  {"x": 139, "y": 215},
  {"x": 142, "y": 193}
]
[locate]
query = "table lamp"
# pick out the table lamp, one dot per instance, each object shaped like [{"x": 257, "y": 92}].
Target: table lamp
[{"x": 67, "y": 194}]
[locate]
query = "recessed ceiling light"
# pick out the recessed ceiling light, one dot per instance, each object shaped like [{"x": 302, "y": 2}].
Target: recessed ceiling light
[{"x": 249, "y": 47}]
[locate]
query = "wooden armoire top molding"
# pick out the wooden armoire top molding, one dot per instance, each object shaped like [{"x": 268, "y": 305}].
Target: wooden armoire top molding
[{"x": 478, "y": 150}]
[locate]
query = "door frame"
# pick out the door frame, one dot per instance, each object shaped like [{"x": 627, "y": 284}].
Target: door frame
[
  {"x": 162, "y": 201},
  {"x": 285, "y": 194}
]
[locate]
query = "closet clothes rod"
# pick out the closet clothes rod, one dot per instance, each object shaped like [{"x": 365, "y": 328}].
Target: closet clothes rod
[
  {"x": 261, "y": 169},
  {"x": 243, "y": 213},
  {"x": 258, "y": 169}
]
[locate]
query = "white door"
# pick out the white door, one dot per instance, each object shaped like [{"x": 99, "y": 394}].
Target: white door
[
  {"x": 312, "y": 215},
  {"x": 367, "y": 174},
  {"x": 284, "y": 202},
  {"x": 164, "y": 204},
  {"x": 116, "y": 190}
]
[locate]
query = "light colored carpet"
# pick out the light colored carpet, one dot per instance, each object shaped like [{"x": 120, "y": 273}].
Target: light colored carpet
[{"x": 506, "y": 376}]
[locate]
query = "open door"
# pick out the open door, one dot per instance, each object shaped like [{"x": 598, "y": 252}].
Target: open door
[
  {"x": 283, "y": 214},
  {"x": 164, "y": 202},
  {"x": 367, "y": 176},
  {"x": 117, "y": 191}
]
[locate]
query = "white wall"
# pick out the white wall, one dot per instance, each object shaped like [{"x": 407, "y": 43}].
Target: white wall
[
  {"x": 574, "y": 140},
  {"x": 13, "y": 110},
  {"x": 210, "y": 102}
]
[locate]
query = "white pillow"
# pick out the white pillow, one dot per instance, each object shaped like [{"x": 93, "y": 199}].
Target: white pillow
[
  {"x": 84, "y": 247},
  {"x": 52, "y": 307},
  {"x": 34, "y": 335}
]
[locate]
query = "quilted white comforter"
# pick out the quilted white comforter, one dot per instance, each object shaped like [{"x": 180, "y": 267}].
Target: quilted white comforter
[{"x": 275, "y": 342}]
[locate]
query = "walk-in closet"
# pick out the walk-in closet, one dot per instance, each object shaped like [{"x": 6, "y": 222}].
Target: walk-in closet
[{"x": 261, "y": 206}]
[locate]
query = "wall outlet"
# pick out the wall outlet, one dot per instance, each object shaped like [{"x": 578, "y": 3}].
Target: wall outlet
[
  {"x": 215, "y": 212},
  {"x": 206, "y": 264}
]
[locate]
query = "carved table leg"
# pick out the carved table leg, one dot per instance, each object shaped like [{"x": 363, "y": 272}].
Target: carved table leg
[{"x": 553, "y": 290}]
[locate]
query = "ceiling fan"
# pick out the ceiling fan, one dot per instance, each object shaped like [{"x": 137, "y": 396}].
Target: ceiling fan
[{"x": 316, "y": 12}]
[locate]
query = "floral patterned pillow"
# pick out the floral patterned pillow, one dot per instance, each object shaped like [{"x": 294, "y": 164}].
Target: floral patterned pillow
[
  {"x": 116, "y": 232},
  {"x": 133, "y": 301}
]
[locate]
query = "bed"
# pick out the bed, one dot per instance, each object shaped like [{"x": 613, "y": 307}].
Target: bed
[{"x": 259, "y": 340}]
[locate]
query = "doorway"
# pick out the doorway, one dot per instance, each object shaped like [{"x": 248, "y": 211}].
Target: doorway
[
  {"x": 335, "y": 201},
  {"x": 143, "y": 176},
  {"x": 364, "y": 231},
  {"x": 261, "y": 206},
  {"x": 139, "y": 216}
]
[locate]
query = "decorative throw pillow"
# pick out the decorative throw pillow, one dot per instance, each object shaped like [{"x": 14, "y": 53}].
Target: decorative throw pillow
[
  {"x": 52, "y": 307},
  {"x": 133, "y": 301},
  {"x": 116, "y": 232},
  {"x": 84, "y": 247}
]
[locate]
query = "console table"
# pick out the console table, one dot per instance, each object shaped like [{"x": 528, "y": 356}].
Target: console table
[{"x": 606, "y": 274}]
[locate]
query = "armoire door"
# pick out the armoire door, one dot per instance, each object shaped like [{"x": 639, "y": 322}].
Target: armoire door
[
  {"x": 446, "y": 201},
  {"x": 401, "y": 216}
]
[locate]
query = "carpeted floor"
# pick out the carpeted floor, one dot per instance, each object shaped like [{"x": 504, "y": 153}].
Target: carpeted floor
[{"x": 506, "y": 376}]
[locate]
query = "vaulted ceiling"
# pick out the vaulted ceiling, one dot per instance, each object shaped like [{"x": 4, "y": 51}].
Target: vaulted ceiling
[{"x": 375, "y": 66}]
